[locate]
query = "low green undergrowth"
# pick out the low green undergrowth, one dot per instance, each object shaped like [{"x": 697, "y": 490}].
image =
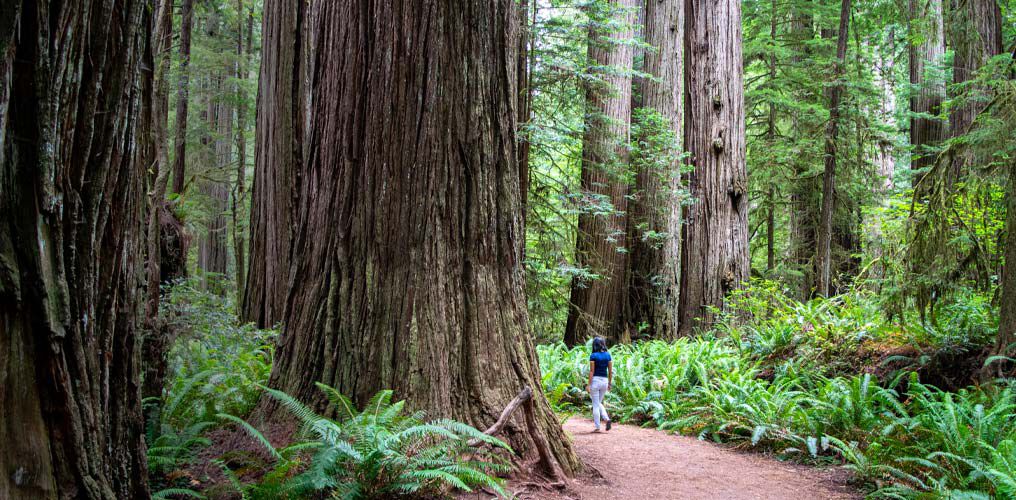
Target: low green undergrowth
[
  {"x": 375, "y": 452},
  {"x": 217, "y": 374},
  {"x": 791, "y": 380}
]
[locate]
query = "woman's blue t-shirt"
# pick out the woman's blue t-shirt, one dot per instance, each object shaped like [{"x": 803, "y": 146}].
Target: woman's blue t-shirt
[{"x": 601, "y": 360}]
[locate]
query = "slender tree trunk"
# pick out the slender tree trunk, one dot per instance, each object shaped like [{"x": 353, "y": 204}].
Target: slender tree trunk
[
  {"x": 927, "y": 51},
  {"x": 410, "y": 253},
  {"x": 976, "y": 29},
  {"x": 597, "y": 305},
  {"x": 155, "y": 342},
  {"x": 240, "y": 189},
  {"x": 823, "y": 255},
  {"x": 882, "y": 153},
  {"x": 715, "y": 250},
  {"x": 655, "y": 216},
  {"x": 771, "y": 139},
  {"x": 278, "y": 160},
  {"x": 182, "y": 91},
  {"x": 73, "y": 163},
  {"x": 804, "y": 202}
]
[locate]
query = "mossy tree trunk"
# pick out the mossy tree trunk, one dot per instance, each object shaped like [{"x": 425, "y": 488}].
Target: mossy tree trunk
[
  {"x": 409, "y": 273},
  {"x": 73, "y": 165}
]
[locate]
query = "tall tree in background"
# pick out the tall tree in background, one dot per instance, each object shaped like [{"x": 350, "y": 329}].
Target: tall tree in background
[
  {"x": 278, "y": 161},
  {"x": 655, "y": 214},
  {"x": 239, "y": 196},
  {"x": 715, "y": 248},
  {"x": 218, "y": 116},
  {"x": 976, "y": 35},
  {"x": 182, "y": 96},
  {"x": 410, "y": 273},
  {"x": 597, "y": 305},
  {"x": 927, "y": 51},
  {"x": 823, "y": 254},
  {"x": 72, "y": 191},
  {"x": 155, "y": 342}
]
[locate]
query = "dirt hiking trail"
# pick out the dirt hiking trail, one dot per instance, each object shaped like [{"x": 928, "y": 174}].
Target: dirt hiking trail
[{"x": 647, "y": 464}]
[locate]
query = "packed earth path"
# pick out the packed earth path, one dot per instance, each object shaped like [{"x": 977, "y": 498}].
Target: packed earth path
[{"x": 648, "y": 464}]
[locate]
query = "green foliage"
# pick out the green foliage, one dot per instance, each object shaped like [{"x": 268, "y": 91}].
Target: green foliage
[
  {"x": 215, "y": 367},
  {"x": 789, "y": 379},
  {"x": 376, "y": 452}
]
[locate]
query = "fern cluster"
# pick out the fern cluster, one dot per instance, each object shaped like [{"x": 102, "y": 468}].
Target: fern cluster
[
  {"x": 775, "y": 383},
  {"x": 379, "y": 451}
]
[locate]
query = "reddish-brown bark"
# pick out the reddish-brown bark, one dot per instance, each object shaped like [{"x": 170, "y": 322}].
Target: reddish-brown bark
[
  {"x": 597, "y": 305},
  {"x": 715, "y": 249},
  {"x": 278, "y": 160},
  {"x": 654, "y": 223},
  {"x": 410, "y": 273},
  {"x": 73, "y": 163}
]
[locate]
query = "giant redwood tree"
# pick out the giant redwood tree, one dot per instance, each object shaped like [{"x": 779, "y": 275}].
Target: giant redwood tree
[
  {"x": 715, "y": 249},
  {"x": 408, "y": 271},
  {"x": 654, "y": 223},
  {"x": 278, "y": 160},
  {"x": 72, "y": 195},
  {"x": 597, "y": 305}
]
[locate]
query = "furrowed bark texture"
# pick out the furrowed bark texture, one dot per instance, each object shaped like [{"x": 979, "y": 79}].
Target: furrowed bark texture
[
  {"x": 155, "y": 342},
  {"x": 410, "y": 272},
  {"x": 597, "y": 306},
  {"x": 278, "y": 161},
  {"x": 655, "y": 262},
  {"x": 823, "y": 254},
  {"x": 72, "y": 191},
  {"x": 926, "y": 75},
  {"x": 715, "y": 249},
  {"x": 182, "y": 97},
  {"x": 976, "y": 28}
]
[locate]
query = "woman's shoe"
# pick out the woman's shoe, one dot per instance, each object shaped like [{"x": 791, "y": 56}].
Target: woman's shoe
[{"x": 608, "y": 425}]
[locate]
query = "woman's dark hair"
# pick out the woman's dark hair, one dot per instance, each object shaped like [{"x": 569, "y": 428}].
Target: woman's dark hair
[{"x": 599, "y": 345}]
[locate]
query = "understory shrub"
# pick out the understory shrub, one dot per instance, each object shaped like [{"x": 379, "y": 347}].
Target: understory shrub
[{"x": 789, "y": 377}]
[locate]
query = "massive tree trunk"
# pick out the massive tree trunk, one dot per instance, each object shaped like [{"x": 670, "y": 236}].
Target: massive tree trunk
[
  {"x": 410, "y": 273},
  {"x": 976, "y": 29},
  {"x": 72, "y": 195},
  {"x": 182, "y": 95},
  {"x": 805, "y": 190},
  {"x": 823, "y": 254},
  {"x": 278, "y": 160},
  {"x": 655, "y": 215},
  {"x": 597, "y": 305},
  {"x": 927, "y": 51},
  {"x": 715, "y": 249}
]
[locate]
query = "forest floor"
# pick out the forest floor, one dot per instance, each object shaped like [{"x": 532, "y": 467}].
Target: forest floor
[{"x": 648, "y": 464}]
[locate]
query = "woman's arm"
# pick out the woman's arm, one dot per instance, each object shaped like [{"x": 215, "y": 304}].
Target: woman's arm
[
  {"x": 610, "y": 374},
  {"x": 592, "y": 368}
]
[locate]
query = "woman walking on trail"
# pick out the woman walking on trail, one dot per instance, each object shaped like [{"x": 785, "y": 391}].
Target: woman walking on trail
[{"x": 601, "y": 374}]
